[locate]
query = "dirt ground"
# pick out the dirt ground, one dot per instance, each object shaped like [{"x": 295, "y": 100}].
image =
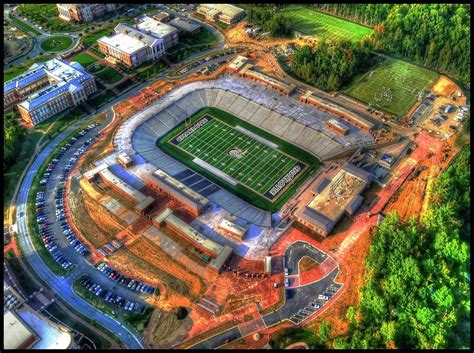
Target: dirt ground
[
  {"x": 444, "y": 87},
  {"x": 149, "y": 262},
  {"x": 307, "y": 264},
  {"x": 94, "y": 223}
]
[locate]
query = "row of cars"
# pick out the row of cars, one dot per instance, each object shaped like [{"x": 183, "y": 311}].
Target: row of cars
[
  {"x": 124, "y": 280},
  {"x": 111, "y": 297},
  {"x": 46, "y": 234},
  {"x": 205, "y": 60}
]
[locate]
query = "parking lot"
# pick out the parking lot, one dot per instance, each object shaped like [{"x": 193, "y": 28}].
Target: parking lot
[{"x": 58, "y": 235}]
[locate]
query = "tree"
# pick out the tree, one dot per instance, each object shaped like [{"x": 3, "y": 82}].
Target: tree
[{"x": 324, "y": 330}]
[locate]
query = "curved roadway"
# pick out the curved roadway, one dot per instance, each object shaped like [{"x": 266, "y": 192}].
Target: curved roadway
[
  {"x": 60, "y": 285},
  {"x": 299, "y": 302}
]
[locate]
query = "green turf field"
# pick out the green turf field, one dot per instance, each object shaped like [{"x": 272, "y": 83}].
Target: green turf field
[
  {"x": 393, "y": 86},
  {"x": 265, "y": 173},
  {"x": 312, "y": 22},
  {"x": 84, "y": 59}
]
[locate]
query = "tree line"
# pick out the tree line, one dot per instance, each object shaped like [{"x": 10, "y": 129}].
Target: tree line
[
  {"x": 13, "y": 134},
  {"x": 270, "y": 20},
  {"x": 417, "y": 292},
  {"x": 434, "y": 35},
  {"x": 332, "y": 64}
]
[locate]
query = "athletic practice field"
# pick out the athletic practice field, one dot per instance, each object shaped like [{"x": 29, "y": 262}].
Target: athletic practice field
[
  {"x": 316, "y": 23},
  {"x": 250, "y": 162},
  {"x": 393, "y": 86}
]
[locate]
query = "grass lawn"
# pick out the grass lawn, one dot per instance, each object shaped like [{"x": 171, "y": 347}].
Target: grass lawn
[
  {"x": 58, "y": 25},
  {"x": 25, "y": 283},
  {"x": 56, "y": 43},
  {"x": 38, "y": 13},
  {"x": 91, "y": 37},
  {"x": 94, "y": 69},
  {"x": 137, "y": 320},
  {"x": 312, "y": 22},
  {"x": 12, "y": 175},
  {"x": 251, "y": 168},
  {"x": 24, "y": 26},
  {"x": 18, "y": 70},
  {"x": 205, "y": 36},
  {"x": 103, "y": 98},
  {"x": 393, "y": 86},
  {"x": 84, "y": 59},
  {"x": 149, "y": 70},
  {"x": 110, "y": 76}
]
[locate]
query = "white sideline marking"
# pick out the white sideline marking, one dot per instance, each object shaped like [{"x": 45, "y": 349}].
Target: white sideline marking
[
  {"x": 216, "y": 171},
  {"x": 256, "y": 137}
]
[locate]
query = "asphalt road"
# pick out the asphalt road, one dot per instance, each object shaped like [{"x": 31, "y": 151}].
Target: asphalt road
[
  {"x": 61, "y": 286},
  {"x": 298, "y": 300}
]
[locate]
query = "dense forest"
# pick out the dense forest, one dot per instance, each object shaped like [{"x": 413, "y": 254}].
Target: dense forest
[
  {"x": 333, "y": 64},
  {"x": 266, "y": 17},
  {"x": 416, "y": 293},
  {"x": 12, "y": 133},
  {"x": 435, "y": 35}
]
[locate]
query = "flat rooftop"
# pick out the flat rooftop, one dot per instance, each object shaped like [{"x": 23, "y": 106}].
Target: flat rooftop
[
  {"x": 136, "y": 195},
  {"x": 238, "y": 62},
  {"x": 267, "y": 79},
  {"x": 226, "y": 9},
  {"x": 189, "y": 231},
  {"x": 334, "y": 198},
  {"x": 338, "y": 124},
  {"x": 180, "y": 187},
  {"x": 184, "y": 24},
  {"x": 17, "y": 335},
  {"x": 325, "y": 103},
  {"x": 157, "y": 28},
  {"x": 124, "y": 43},
  {"x": 232, "y": 227}
]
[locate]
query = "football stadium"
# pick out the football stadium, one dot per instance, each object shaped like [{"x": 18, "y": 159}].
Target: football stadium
[{"x": 261, "y": 170}]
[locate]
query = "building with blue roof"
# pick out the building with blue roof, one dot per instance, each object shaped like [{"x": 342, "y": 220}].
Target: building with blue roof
[{"x": 48, "y": 88}]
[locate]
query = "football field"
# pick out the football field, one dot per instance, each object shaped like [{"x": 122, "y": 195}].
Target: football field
[
  {"x": 237, "y": 156},
  {"x": 393, "y": 86},
  {"x": 310, "y": 22}
]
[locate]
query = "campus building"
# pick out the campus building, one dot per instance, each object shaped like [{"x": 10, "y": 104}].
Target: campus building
[
  {"x": 195, "y": 203},
  {"x": 225, "y": 13},
  {"x": 25, "y": 328},
  {"x": 47, "y": 89},
  {"x": 248, "y": 72},
  {"x": 85, "y": 12},
  {"x": 131, "y": 46},
  {"x": 338, "y": 127},
  {"x": 186, "y": 26},
  {"x": 350, "y": 116},
  {"x": 169, "y": 34},
  {"x": 232, "y": 229},
  {"x": 334, "y": 198},
  {"x": 142, "y": 202},
  {"x": 220, "y": 254}
]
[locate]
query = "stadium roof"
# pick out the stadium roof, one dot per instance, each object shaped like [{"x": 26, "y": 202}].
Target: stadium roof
[{"x": 222, "y": 258}]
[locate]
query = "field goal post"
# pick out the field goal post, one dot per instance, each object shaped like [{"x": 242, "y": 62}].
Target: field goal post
[{"x": 187, "y": 121}]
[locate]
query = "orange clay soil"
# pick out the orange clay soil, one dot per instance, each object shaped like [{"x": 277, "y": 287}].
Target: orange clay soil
[
  {"x": 355, "y": 260},
  {"x": 307, "y": 264},
  {"x": 444, "y": 87},
  {"x": 94, "y": 223},
  {"x": 152, "y": 264}
]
